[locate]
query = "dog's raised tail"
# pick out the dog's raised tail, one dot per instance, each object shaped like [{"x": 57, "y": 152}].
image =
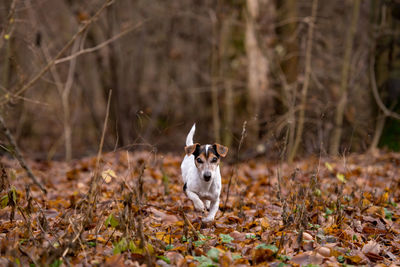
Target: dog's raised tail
[{"x": 189, "y": 138}]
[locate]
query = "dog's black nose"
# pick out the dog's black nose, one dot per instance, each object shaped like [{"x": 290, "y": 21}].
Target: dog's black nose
[{"x": 207, "y": 176}]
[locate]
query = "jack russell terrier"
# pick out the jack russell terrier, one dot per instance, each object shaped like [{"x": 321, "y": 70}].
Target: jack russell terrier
[{"x": 201, "y": 174}]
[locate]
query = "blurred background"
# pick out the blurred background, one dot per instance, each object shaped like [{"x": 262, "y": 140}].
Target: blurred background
[{"x": 310, "y": 77}]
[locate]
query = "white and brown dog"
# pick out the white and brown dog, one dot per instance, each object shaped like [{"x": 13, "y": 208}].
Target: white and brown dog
[{"x": 201, "y": 174}]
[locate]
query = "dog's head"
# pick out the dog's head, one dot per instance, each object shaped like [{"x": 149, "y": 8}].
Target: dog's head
[{"x": 207, "y": 158}]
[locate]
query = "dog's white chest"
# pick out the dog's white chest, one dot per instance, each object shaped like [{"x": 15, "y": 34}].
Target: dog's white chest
[{"x": 208, "y": 195}]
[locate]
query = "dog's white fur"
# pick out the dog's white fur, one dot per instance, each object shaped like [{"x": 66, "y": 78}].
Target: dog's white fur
[{"x": 203, "y": 194}]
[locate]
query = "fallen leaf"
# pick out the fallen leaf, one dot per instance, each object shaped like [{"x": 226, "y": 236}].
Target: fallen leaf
[
  {"x": 372, "y": 247},
  {"x": 341, "y": 177},
  {"x": 324, "y": 251},
  {"x": 108, "y": 175},
  {"x": 307, "y": 236},
  {"x": 164, "y": 217}
]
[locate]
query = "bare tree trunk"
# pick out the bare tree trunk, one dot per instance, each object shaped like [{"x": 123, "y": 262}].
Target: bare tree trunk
[
  {"x": 303, "y": 104},
  {"x": 378, "y": 132},
  {"x": 66, "y": 105},
  {"x": 226, "y": 76},
  {"x": 8, "y": 30},
  {"x": 337, "y": 132},
  {"x": 229, "y": 113},
  {"x": 287, "y": 12},
  {"x": 258, "y": 67},
  {"x": 64, "y": 91},
  {"x": 215, "y": 77}
]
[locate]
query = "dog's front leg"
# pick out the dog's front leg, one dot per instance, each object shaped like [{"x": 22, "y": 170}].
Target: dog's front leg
[
  {"x": 198, "y": 204},
  {"x": 214, "y": 206},
  {"x": 207, "y": 204}
]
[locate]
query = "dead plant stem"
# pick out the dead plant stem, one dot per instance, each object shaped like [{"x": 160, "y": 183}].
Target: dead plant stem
[
  {"x": 17, "y": 153},
  {"x": 235, "y": 168},
  {"x": 94, "y": 180}
]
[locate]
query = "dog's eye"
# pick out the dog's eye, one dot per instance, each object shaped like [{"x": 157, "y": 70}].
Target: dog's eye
[
  {"x": 199, "y": 160},
  {"x": 214, "y": 159}
]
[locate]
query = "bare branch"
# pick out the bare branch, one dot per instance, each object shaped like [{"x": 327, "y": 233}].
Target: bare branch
[
  {"x": 5, "y": 99},
  {"x": 99, "y": 46},
  {"x": 374, "y": 88}
]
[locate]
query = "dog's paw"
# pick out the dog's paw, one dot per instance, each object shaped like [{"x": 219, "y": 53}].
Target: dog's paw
[
  {"x": 208, "y": 204},
  {"x": 199, "y": 207},
  {"x": 207, "y": 220}
]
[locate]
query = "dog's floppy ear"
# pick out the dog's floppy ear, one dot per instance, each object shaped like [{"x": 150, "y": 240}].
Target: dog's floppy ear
[
  {"x": 191, "y": 149},
  {"x": 221, "y": 150}
]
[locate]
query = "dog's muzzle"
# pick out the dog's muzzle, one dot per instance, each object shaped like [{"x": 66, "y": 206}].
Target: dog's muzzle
[{"x": 207, "y": 176}]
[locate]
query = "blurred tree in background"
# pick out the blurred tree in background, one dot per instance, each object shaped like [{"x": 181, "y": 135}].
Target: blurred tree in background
[{"x": 285, "y": 67}]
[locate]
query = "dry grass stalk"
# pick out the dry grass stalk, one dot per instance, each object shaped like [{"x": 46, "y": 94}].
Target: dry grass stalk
[
  {"x": 95, "y": 178},
  {"x": 235, "y": 168},
  {"x": 139, "y": 218},
  {"x": 188, "y": 223},
  {"x": 139, "y": 195}
]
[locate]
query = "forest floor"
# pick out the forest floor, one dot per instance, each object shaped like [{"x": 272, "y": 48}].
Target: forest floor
[{"x": 313, "y": 212}]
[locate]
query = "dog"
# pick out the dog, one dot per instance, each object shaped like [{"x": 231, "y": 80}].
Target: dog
[{"x": 201, "y": 174}]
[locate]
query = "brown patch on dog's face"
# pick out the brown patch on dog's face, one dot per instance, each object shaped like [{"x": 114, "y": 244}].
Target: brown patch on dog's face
[{"x": 207, "y": 160}]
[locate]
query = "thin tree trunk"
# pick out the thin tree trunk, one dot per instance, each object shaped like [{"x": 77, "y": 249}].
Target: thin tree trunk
[
  {"x": 287, "y": 13},
  {"x": 287, "y": 34},
  {"x": 257, "y": 70},
  {"x": 226, "y": 76},
  {"x": 378, "y": 132},
  {"x": 229, "y": 113},
  {"x": 215, "y": 77},
  {"x": 65, "y": 103},
  {"x": 337, "y": 133},
  {"x": 303, "y": 104},
  {"x": 8, "y": 30}
]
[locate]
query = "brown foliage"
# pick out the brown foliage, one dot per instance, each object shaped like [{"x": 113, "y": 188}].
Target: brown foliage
[{"x": 323, "y": 211}]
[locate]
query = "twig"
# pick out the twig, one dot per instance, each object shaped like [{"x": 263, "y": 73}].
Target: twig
[
  {"x": 187, "y": 222},
  {"x": 109, "y": 238},
  {"x": 17, "y": 154},
  {"x": 27, "y": 255},
  {"x": 235, "y": 168},
  {"x": 4, "y": 182},
  {"x": 378, "y": 100},
  {"x": 99, "y": 46},
  {"x": 139, "y": 194},
  {"x": 5, "y": 99}
]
